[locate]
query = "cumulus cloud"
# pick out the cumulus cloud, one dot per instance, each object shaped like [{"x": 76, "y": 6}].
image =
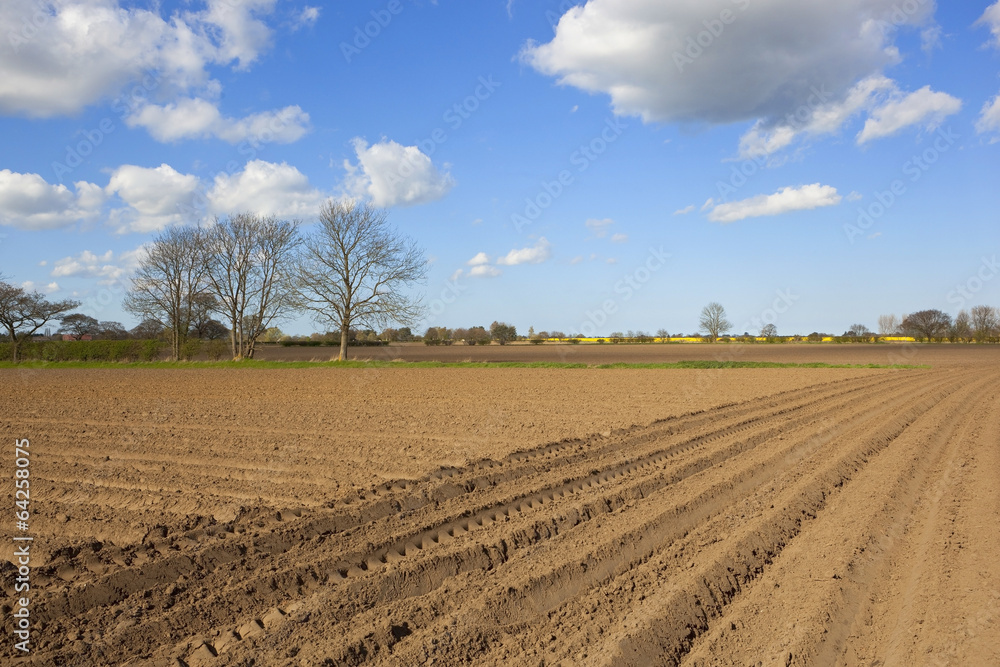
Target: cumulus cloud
[
  {"x": 107, "y": 268},
  {"x": 480, "y": 259},
  {"x": 266, "y": 188},
  {"x": 32, "y": 286},
  {"x": 889, "y": 110},
  {"x": 535, "y": 254},
  {"x": 794, "y": 68},
  {"x": 195, "y": 118},
  {"x": 154, "y": 198},
  {"x": 88, "y": 50},
  {"x": 991, "y": 19},
  {"x": 783, "y": 201},
  {"x": 391, "y": 174},
  {"x": 306, "y": 18},
  {"x": 619, "y": 238},
  {"x": 484, "y": 271},
  {"x": 28, "y": 201},
  {"x": 82, "y": 52},
  {"x": 989, "y": 117},
  {"x": 685, "y": 210},
  {"x": 923, "y": 107},
  {"x": 599, "y": 227}
]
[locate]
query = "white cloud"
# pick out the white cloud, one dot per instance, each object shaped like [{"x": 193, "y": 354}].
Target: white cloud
[
  {"x": 535, "y": 254},
  {"x": 685, "y": 210},
  {"x": 89, "y": 50},
  {"x": 923, "y": 107},
  {"x": 306, "y": 18},
  {"x": 484, "y": 271},
  {"x": 479, "y": 259},
  {"x": 886, "y": 105},
  {"x": 32, "y": 286},
  {"x": 767, "y": 61},
  {"x": 854, "y": 196},
  {"x": 795, "y": 68},
  {"x": 991, "y": 19},
  {"x": 266, "y": 188},
  {"x": 783, "y": 201},
  {"x": 195, "y": 118},
  {"x": 599, "y": 227},
  {"x": 154, "y": 198},
  {"x": 619, "y": 238},
  {"x": 108, "y": 269},
  {"x": 394, "y": 175},
  {"x": 28, "y": 201},
  {"x": 576, "y": 260},
  {"x": 989, "y": 117}
]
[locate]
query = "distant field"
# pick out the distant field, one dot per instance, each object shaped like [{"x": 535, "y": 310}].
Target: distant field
[{"x": 594, "y": 354}]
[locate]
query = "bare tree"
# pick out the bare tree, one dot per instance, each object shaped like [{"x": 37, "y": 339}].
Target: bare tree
[
  {"x": 22, "y": 313},
  {"x": 251, "y": 273},
  {"x": 112, "y": 330},
  {"x": 961, "y": 328},
  {"x": 354, "y": 269},
  {"x": 929, "y": 324},
  {"x": 169, "y": 281},
  {"x": 663, "y": 335},
  {"x": 768, "y": 331},
  {"x": 984, "y": 321},
  {"x": 888, "y": 325},
  {"x": 713, "y": 320},
  {"x": 79, "y": 325}
]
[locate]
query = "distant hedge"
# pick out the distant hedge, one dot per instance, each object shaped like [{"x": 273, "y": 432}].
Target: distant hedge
[
  {"x": 332, "y": 343},
  {"x": 85, "y": 350}
]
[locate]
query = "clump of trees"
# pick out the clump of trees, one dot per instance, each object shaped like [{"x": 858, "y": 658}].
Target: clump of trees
[
  {"x": 503, "y": 333},
  {"x": 254, "y": 271}
]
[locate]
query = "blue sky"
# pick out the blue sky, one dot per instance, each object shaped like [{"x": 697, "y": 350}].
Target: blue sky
[{"x": 584, "y": 167}]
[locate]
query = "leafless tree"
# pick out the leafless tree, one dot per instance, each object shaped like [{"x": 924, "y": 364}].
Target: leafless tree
[
  {"x": 929, "y": 324},
  {"x": 354, "y": 269},
  {"x": 79, "y": 325},
  {"x": 888, "y": 325},
  {"x": 713, "y": 320},
  {"x": 22, "y": 313},
  {"x": 169, "y": 281},
  {"x": 961, "y": 328},
  {"x": 112, "y": 330},
  {"x": 984, "y": 321},
  {"x": 768, "y": 331},
  {"x": 251, "y": 261},
  {"x": 663, "y": 335}
]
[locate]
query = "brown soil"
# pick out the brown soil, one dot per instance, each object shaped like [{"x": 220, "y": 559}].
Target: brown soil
[{"x": 520, "y": 516}]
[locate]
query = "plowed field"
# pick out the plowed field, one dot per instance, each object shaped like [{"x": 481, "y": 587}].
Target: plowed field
[{"x": 511, "y": 516}]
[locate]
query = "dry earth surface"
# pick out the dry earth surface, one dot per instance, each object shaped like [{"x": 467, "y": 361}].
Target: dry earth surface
[{"x": 406, "y": 516}]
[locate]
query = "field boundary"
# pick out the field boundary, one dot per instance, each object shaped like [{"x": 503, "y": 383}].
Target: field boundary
[{"x": 377, "y": 364}]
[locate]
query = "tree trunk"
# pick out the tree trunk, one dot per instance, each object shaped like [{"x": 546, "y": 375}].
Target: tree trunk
[{"x": 345, "y": 331}]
